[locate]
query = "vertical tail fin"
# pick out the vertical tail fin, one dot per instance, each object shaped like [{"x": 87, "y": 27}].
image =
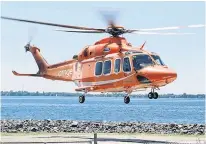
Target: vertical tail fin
[{"x": 41, "y": 62}]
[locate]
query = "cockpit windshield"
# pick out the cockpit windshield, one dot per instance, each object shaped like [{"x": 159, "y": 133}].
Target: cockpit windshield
[
  {"x": 158, "y": 60},
  {"x": 141, "y": 61}
]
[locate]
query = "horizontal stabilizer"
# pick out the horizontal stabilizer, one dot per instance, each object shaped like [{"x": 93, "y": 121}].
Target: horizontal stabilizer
[{"x": 18, "y": 74}]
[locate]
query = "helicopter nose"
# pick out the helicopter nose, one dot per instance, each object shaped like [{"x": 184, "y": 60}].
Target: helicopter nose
[
  {"x": 159, "y": 74},
  {"x": 172, "y": 75},
  {"x": 169, "y": 75}
]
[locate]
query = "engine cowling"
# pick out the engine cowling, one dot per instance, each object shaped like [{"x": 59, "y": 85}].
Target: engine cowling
[{"x": 103, "y": 47}]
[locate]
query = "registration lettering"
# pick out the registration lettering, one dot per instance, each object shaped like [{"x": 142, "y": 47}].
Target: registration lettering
[{"x": 66, "y": 73}]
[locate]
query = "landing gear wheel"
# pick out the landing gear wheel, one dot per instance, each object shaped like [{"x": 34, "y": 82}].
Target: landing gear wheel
[
  {"x": 155, "y": 95},
  {"x": 150, "y": 95},
  {"x": 126, "y": 99},
  {"x": 81, "y": 99}
]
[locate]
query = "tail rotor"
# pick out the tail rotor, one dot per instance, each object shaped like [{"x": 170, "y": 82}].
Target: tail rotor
[
  {"x": 31, "y": 34},
  {"x": 27, "y": 47}
]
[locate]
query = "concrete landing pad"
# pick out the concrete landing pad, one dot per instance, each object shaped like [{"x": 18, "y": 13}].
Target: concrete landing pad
[{"x": 102, "y": 138}]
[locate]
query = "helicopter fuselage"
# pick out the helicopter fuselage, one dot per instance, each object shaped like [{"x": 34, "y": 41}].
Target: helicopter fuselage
[{"x": 108, "y": 67}]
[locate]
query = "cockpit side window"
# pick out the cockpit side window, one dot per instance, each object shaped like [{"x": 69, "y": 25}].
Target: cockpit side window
[
  {"x": 126, "y": 65},
  {"x": 141, "y": 61},
  {"x": 158, "y": 60}
]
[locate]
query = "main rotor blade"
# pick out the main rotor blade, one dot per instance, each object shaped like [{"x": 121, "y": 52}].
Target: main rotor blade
[
  {"x": 51, "y": 24},
  {"x": 80, "y": 31},
  {"x": 154, "y": 33},
  {"x": 172, "y": 28}
]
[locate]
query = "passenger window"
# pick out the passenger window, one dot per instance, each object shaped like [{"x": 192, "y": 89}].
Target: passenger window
[
  {"x": 98, "y": 69},
  {"x": 107, "y": 67},
  {"x": 117, "y": 66},
  {"x": 126, "y": 65}
]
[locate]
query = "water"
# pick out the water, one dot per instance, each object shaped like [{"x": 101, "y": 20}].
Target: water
[{"x": 162, "y": 110}]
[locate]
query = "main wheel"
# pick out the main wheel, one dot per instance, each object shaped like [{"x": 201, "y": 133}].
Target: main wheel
[
  {"x": 150, "y": 95},
  {"x": 155, "y": 96},
  {"x": 126, "y": 99},
  {"x": 81, "y": 99}
]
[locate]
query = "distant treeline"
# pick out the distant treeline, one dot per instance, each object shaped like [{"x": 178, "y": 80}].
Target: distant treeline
[{"x": 26, "y": 93}]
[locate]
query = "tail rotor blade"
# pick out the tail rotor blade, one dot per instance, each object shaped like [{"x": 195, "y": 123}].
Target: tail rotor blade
[{"x": 31, "y": 34}]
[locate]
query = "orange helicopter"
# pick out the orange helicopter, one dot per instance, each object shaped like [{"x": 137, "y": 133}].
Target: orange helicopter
[{"x": 110, "y": 65}]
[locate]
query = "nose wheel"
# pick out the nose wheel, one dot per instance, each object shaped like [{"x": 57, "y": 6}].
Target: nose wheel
[
  {"x": 150, "y": 95},
  {"x": 153, "y": 95},
  {"x": 81, "y": 99}
]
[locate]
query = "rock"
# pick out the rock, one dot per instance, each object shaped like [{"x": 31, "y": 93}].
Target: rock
[
  {"x": 55, "y": 129},
  {"x": 74, "y": 124},
  {"x": 34, "y": 129},
  {"x": 12, "y": 131},
  {"x": 180, "y": 126},
  {"x": 184, "y": 131},
  {"x": 127, "y": 129},
  {"x": 19, "y": 126},
  {"x": 172, "y": 125}
]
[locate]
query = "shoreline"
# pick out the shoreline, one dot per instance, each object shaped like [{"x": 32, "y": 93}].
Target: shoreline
[
  {"x": 71, "y": 126},
  {"x": 140, "y": 96}
]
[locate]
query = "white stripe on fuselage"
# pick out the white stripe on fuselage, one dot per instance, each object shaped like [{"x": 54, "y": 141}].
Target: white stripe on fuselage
[{"x": 83, "y": 84}]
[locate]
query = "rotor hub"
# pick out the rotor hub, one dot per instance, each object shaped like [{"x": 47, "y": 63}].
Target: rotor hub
[{"x": 115, "y": 31}]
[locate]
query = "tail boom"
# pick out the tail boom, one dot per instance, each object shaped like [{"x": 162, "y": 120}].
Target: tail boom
[{"x": 61, "y": 71}]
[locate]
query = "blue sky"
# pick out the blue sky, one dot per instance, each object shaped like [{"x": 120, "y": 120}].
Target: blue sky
[{"x": 185, "y": 54}]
